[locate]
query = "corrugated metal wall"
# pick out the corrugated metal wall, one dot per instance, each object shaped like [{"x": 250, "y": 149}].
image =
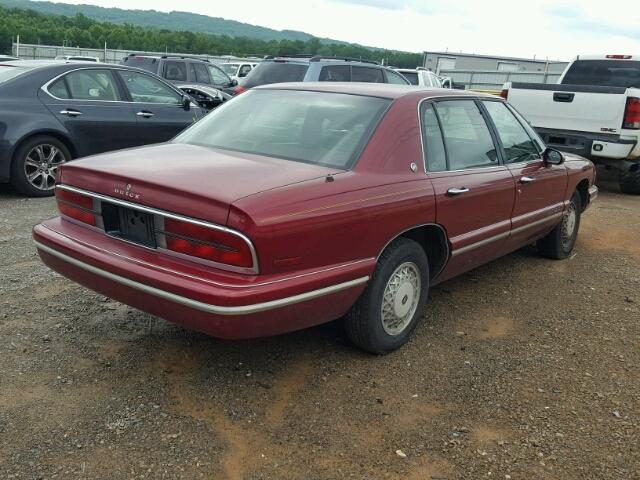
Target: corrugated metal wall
[{"x": 491, "y": 80}]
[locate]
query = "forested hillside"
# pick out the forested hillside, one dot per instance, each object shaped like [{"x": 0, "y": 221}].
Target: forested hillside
[{"x": 79, "y": 30}]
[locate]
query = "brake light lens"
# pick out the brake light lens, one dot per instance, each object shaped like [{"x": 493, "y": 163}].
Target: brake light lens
[
  {"x": 239, "y": 89},
  {"x": 504, "y": 93},
  {"x": 207, "y": 243},
  {"x": 632, "y": 114},
  {"x": 619, "y": 57},
  {"x": 76, "y": 205}
]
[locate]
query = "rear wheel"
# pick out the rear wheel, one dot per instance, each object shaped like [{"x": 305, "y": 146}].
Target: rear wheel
[
  {"x": 388, "y": 311},
  {"x": 630, "y": 182},
  {"x": 560, "y": 241},
  {"x": 35, "y": 164}
]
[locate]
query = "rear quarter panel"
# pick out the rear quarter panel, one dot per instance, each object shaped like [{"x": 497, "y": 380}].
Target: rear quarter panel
[{"x": 320, "y": 223}]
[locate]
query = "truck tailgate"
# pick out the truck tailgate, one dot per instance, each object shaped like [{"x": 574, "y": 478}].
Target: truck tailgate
[{"x": 570, "y": 107}]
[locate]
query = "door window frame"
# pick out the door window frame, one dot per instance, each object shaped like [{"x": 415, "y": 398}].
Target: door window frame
[
  {"x": 497, "y": 133},
  {"x": 485, "y": 115}
]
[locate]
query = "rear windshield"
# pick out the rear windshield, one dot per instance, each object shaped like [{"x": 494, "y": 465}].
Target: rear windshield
[
  {"x": 605, "y": 73},
  {"x": 275, "y": 72},
  {"x": 7, "y": 72},
  {"x": 320, "y": 128},
  {"x": 411, "y": 76},
  {"x": 146, "y": 63}
]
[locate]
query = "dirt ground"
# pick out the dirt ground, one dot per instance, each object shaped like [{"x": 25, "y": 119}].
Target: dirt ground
[{"x": 525, "y": 368}]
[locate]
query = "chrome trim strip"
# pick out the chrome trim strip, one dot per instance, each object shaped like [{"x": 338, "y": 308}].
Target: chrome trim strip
[
  {"x": 155, "y": 211},
  {"x": 500, "y": 236},
  {"x": 197, "y": 305},
  {"x": 194, "y": 277}
]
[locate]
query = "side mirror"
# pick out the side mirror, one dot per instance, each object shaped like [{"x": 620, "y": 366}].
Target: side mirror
[
  {"x": 186, "y": 101},
  {"x": 551, "y": 156},
  {"x": 233, "y": 83}
]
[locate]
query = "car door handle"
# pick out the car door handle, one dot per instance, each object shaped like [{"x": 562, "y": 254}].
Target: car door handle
[
  {"x": 457, "y": 191},
  {"x": 145, "y": 114},
  {"x": 70, "y": 113},
  {"x": 527, "y": 179}
]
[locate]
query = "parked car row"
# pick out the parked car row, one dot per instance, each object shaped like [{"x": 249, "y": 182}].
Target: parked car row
[{"x": 300, "y": 203}]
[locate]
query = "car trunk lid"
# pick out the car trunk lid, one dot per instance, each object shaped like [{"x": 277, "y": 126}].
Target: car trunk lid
[{"x": 190, "y": 180}]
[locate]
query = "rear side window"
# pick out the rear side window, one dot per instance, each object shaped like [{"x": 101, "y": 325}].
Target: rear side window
[
  {"x": 393, "y": 77},
  {"x": 275, "y": 72},
  {"x": 466, "y": 135},
  {"x": 199, "y": 73},
  {"x": 146, "y": 63},
  {"x": 335, "y": 73},
  {"x": 606, "y": 73},
  {"x": 366, "y": 74},
  {"x": 91, "y": 85},
  {"x": 517, "y": 144},
  {"x": 59, "y": 89},
  {"x": 433, "y": 144},
  {"x": 175, "y": 71}
]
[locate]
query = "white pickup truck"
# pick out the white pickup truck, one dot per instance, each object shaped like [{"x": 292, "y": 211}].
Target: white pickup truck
[{"x": 593, "y": 111}]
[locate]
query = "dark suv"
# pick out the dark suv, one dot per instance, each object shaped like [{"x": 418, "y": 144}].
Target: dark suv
[
  {"x": 318, "y": 69},
  {"x": 182, "y": 70}
]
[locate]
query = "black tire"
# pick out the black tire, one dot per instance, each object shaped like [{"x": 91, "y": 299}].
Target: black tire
[
  {"x": 28, "y": 160},
  {"x": 364, "y": 322},
  {"x": 558, "y": 244},
  {"x": 630, "y": 182}
]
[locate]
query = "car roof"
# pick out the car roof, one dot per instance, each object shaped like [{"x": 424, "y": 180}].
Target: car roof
[{"x": 383, "y": 90}]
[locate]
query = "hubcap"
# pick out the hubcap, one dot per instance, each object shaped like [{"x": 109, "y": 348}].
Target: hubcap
[
  {"x": 40, "y": 165},
  {"x": 569, "y": 225},
  {"x": 400, "y": 298}
]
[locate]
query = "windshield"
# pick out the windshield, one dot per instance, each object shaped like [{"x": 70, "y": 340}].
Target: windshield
[
  {"x": 605, "y": 73},
  {"x": 320, "y": 128},
  {"x": 7, "y": 72},
  {"x": 275, "y": 72},
  {"x": 229, "y": 68}
]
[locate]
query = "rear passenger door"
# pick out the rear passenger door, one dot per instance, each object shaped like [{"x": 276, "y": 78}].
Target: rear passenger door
[
  {"x": 157, "y": 108},
  {"x": 474, "y": 190},
  {"x": 91, "y": 106},
  {"x": 540, "y": 188}
]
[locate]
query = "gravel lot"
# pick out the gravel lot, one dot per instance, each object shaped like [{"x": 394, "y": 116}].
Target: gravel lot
[{"x": 524, "y": 369}]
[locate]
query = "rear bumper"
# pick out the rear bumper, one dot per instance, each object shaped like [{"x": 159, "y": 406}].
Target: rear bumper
[
  {"x": 602, "y": 147},
  {"x": 201, "y": 298}
]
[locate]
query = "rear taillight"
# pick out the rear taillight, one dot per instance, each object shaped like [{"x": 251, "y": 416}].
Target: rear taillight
[
  {"x": 207, "y": 243},
  {"x": 632, "y": 114},
  {"x": 619, "y": 57},
  {"x": 504, "y": 93},
  {"x": 76, "y": 205},
  {"x": 239, "y": 89}
]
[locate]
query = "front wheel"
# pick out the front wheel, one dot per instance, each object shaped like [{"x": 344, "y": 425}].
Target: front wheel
[
  {"x": 560, "y": 241},
  {"x": 630, "y": 182},
  {"x": 35, "y": 163},
  {"x": 391, "y": 306}
]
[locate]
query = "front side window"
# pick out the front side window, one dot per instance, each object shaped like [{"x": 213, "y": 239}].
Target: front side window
[
  {"x": 335, "y": 73},
  {"x": 87, "y": 85},
  {"x": 393, "y": 77},
  {"x": 175, "y": 71},
  {"x": 517, "y": 144},
  {"x": 312, "y": 127},
  {"x": 466, "y": 135},
  {"x": 146, "y": 89},
  {"x": 433, "y": 144},
  {"x": 366, "y": 74},
  {"x": 218, "y": 77}
]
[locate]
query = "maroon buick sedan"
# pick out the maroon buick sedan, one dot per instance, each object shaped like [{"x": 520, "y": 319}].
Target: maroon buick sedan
[{"x": 297, "y": 204}]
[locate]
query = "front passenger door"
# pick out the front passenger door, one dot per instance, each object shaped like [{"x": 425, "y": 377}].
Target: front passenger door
[
  {"x": 158, "y": 108},
  {"x": 540, "y": 188}
]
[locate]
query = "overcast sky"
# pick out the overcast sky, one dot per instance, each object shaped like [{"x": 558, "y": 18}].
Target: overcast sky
[{"x": 544, "y": 28}]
